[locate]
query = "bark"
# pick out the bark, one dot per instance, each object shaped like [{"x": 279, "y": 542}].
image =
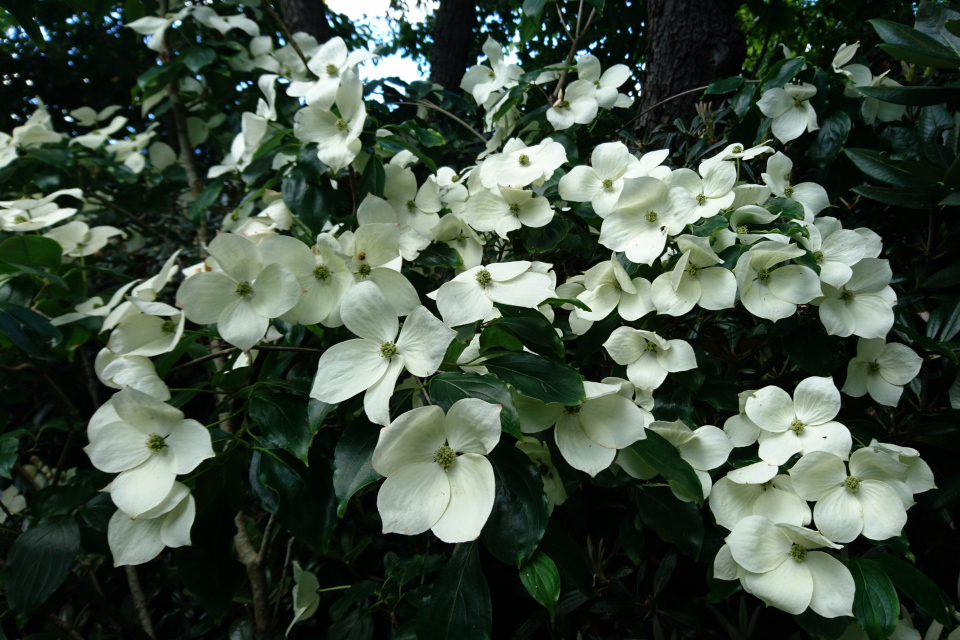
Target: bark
[
  {"x": 690, "y": 43},
  {"x": 452, "y": 42},
  {"x": 306, "y": 15}
]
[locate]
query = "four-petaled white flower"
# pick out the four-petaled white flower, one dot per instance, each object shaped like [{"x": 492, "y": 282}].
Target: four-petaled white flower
[
  {"x": 801, "y": 424},
  {"x": 481, "y": 80},
  {"x": 149, "y": 444},
  {"x": 703, "y": 197},
  {"x": 790, "y": 110},
  {"x": 643, "y": 217},
  {"x": 506, "y": 210},
  {"x": 773, "y": 292},
  {"x": 694, "y": 280},
  {"x": 881, "y": 370},
  {"x": 812, "y": 196},
  {"x": 757, "y": 490},
  {"x": 373, "y": 361},
  {"x": 139, "y": 540},
  {"x": 438, "y": 477},
  {"x": 863, "y": 306},
  {"x": 470, "y": 296},
  {"x": 337, "y": 136},
  {"x": 578, "y": 105},
  {"x": 608, "y": 287},
  {"x": 835, "y": 249},
  {"x": 602, "y": 182},
  {"x": 30, "y": 214},
  {"x": 608, "y": 83},
  {"x": 649, "y": 358}
]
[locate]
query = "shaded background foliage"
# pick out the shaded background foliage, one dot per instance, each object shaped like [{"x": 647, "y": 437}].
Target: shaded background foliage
[{"x": 620, "y": 577}]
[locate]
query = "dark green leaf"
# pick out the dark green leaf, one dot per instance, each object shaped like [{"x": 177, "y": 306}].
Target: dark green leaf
[
  {"x": 913, "y": 583},
  {"x": 352, "y": 461},
  {"x": 493, "y": 338},
  {"x": 519, "y": 515},
  {"x": 536, "y": 334},
  {"x": 743, "y": 100},
  {"x": 439, "y": 254},
  {"x": 598, "y": 5},
  {"x": 559, "y": 302},
  {"x": 59, "y": 158},
  {"x": 656, "y": 451},
  {"x": 571, "y": 558},
  {"x": 903, "y": 197},
  {"x": 458, "y": 607},
  {"x": 880, "y": 166},
  {"x": 672, "y": 519},
  {"x": 197, "y": 57},
  {"x": 28, "y": 330},
  {"x": 875, "y": 604},
  {"x": 912, "y": 96},
  {"x": 537, "y": 377},
  {"x": 547, "y": 237},
  {"x": 725, "y": 85},
  {"x": 947, "y": 277},
  {"x": 198, "y": 208},
  {"x": 447, "y": 388},
  {"x": 212, "y": 575},
  {"x": 781, "y": 73},
  {"x": 39, "y": 561},
  {"x": 307, "y": 502},
  {"x": 31, "y": 251},
  {"x": 373, "y": 180},
  {"x": 390, "y": 142},
  {"x": 542, "y": 580},
  {"x": 305, "y": 200},
  {"x": 8, "y": 455},
  {"x": 830, "y": 139},
  {"x": 283, "y": 421},
  {"x": 907, "y": 44}
]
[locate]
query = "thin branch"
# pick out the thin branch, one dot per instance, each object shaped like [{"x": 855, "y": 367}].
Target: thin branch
[
  {"x": 270, "y": 347},
  {"x": 253, "y": 561},
  {"x": 574, "y": 46},
  {"x": 211, "y": 356},
  {"x": 283, "y": 578},
  {"x": 430, "y": 105},
  {"x": 64, "y": 626},
  {"x": 563, "y": 23},
  {"x": 286, "y": 34},
  {"x": 139, "y": 601}
]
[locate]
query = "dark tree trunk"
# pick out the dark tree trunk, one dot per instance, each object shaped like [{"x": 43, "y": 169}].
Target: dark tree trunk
[
  {"x": 452, "y": 42},
  {"x": 309, "y": 16},
  {"x": 690, "y": 43}
]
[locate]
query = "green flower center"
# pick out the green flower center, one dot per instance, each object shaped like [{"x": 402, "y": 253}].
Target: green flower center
[
  {"x": 701, "y": 198},
  {"x": 167, "y": 327},
  {"x": 156, "y": 443},
  {"x": 738, "y": 149},
  {"x": 788, "y": 191},
  {"x": 524, "y": 159},
  {"x": 461, "y": 239},
  {"x": 454, "y": 178},
  {"x": 388, "y": 350},
  {"x": 515, "y": 209},
  {"x": 651, "y": 216},
  {"x": 573, "y": 409},
  {"x": 651, "y": 347},
  {"x": 322, "y": 272},
  {"x": 847, "y": 296},
  {"x": 818, "y": 256},
  {"x": 243, "y": 289},
  {"x": 444, "y": 457},
  {"x": 798, "y": 103},
  {"x": 564, "y": 104},
  {"x": 491, "y": 74},
  {"x": 342, "y": 125},
  {"x": 20, "y": 219},
  {"x": 484, "y": 277},
  {"x": 742, "y": 229},
  {"x": 874, "y": 367},
  {"x": 797, "y": 426},
  {"x": 766, "y": 485},
  {"x": 364, "y": 270},
  {"x": 411, "y": 205},
  {"x": 607, "y": 183},
  {"x": 852, "y": 484},
  {"x": 763, "y": 275},
  {"x": 693, "y": 270},
  {"x": 798, "y": 552},
  {"x": 332, "y": 70}
]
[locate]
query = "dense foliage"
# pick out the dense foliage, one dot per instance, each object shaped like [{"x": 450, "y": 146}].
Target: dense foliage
[{"x": 287, "y": 353}]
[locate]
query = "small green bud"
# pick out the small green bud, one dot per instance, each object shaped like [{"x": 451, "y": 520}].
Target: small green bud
[
  {"x": 693, "y": 270},
  {"x": 444, "y": 457},
  {"x": 524, "y": 159},
  {"x": 332, "y": 70},
  {"x": 874, "y": 367},
  {"x": 651, "y": 216},
  {"x": 701, "y": 199},
  {"x": 798, "y": 552},
  {"x": 818, "y": 256},
  {"x": 515, "y": 209},
  {"x": 364, "y": 270},
  {"x": 388, "y": 350},
  {"x": 484, "y": 277},
  {"x": 607, "y": 183},
  {"x": 742, "y": 229},
  {"x": 763, "y": 275},
  {"x": 411, "y": 205},
  {"x": 852, "y": 484},
  {"x": 788, "y": 191},
  {"x": 651, "y": 347},
  {"x": 322, "y": 272},
  {"x": 797, "y": 426},
  {"x": 738, "y": 149},
  {"x": 167, "y": 327},
  {"x": 243, "y": 289},
  {"x": 342, "y": 125},
  {"x": 846, "y": 295},
  {"x": 156, "y": 443},
  {"x": 573, "y": 409}
]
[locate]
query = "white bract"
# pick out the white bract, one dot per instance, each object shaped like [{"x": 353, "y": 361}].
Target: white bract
[
  {"x": 812, "y": 196},
  {"x": 608, "y": 287},
  {"x": 757, "y": 490},
  {"x": 608, "y": 83},
  {"x": 577, "y": 104},
  {"x": 481, "y": 80},
  {"x": 801, "y": 424},
  {"x": 374, "y": 360},
  {"x": 790, "y": 110},
  {"x": 863, "y": 306},
  {"x": 76, "y": 239},
  {"x": 778, "y": 564},
  {"x": 438, "y": 477},
  {"x": 835, "y": 249},
  {"x": 602, "y": 182},
  {"x": 648, "y": 357},
  {"x": 703, "y": 197},
  {"x": 30, "y": 214},
  {"x": 771, "y": 291},
  {"x": 244, "y": 296},
  {"x": 641, "y": 220},
  {"x": 694, "y": 280},
  {"x": 139, "y": 540},
  {"x": 337, "y": 136},
  {"x": 149, "y": 444},
  {"x": 504, "y": 210},
  {"x": 881, "y": 370},
  {"x": 470, "y": 296}
]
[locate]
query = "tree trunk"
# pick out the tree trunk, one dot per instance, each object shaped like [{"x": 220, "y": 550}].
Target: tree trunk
[
  {"x": 308, "y": 16},
  {"x": 452, "y": 42},
  {"x": 690, "y": 43}
]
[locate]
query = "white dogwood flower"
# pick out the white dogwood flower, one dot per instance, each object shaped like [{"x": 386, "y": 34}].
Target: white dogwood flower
[
  {"x": 481, "y": 80},
  {"x": 703, "y": 448},
  {"x": 577, "y": 105},
  {"x": 76, "y": 239},
  {"x": 438, "y": 477},
  {"x": 149, "y": 444},
  {"x": 519, "y": 165},
  {"x": 703, "y": 197},
  {"x": 773, "y": 292},
  {"x": 881, "y": 370},
  {"x": 242, "y": 297},
  {"x": 863, "y": 306},
  {"x": 374, "y": 360},
  {"x": 459, "y": 236},
  {"x": 138, "y": 540},
  {"x": 30, "y": 214},
  {"x": 739, "y": 428},
  {"x": 790, "y": 110},
  {"x": 329, "y": 64},
  {"x": 337, "y": 136},
  {"x": 155, "y": 330},
  {"x": 648, "y": 357},
  {"x": 801, "y": 424},
  {"x": 757, "y": 490},
  {"x": 639, "y": 224},
  {"x": 694, "y": 280},
  {"x": 129, "y": 372},
  {"x": 470, "y": 295},
  {"x": 608, "y": 287},
  {"x": 608, "y": 83},
  {"x": 602, "y": 182},
  {"x": 854, "y": 503},
  {"x": 835, "y": 249},
  {"x": 504, "y": 210},
  {"x": 812, "y": 196}
]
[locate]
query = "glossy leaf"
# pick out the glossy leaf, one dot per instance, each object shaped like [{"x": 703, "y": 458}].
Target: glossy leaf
[
  {"x": 283, "y": 421},
  {"x": 542, "y": 579},
  {"x": 875, "y": 604},
  {"x": 656, "y": 451},
  {"x": 537, "y": 377},
  {"x": 519, "y": 516},
  {"x": 447, "y": 388},
  {"x": 39, "y": 561},
  {"x": 351, "y": 461},
  {"x": 913, "y": 583},
  {"x": 307, "y": 504},
  {"x": 912, "y": 96},
  {"x": 458, "y": 607},
  {"x": 536, "y": 334},
  {"x": 672, "y": 519},
  {"x": 907, "y": 44}
]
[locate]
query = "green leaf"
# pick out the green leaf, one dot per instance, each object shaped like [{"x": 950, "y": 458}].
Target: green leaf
[
  {"x": 536, "y": 334},
  {"x": 811, "y": 349},
  {"x": 833, "y": 133},
  {"x": 571, "y": 558},
  {"x": 533, "y": 7},
  {"x": 880, "y": 166},
  {"x": 23, "y": 12},
  {"x": 742, "y": 101},
  {"x": 373, "y": 180},
  {"x": 912, "y": 96},
  {"x": 283, "y": 421},
  {"x": 391, "y": 142},
  {"x": 947, "y": 277},
  {"x": 458, "y": 607},
  {"x": 547, "y": 237},
  {"x": 59, "y": 158},
  {"x": 31, "y": 251},
  {"x": 305, "y": 200},
  {"x": 907, "y": 44},
  {"x": 493, "y": 338},
  {"x": 674, "y": 520},
  {"x": 352, "y": 468},
  {"x": 537, "y": 377},
  {"x": 656, "y": 451},
  {"x": 39, "y": 561},
  {"x": 447, "y": 388},
  {"x": 598, "y": 5},
  {"x": 908, "y": 198},
  {"x": 542, "y": 580},
  {"x": 520, "y": 509},
  {"x": 559, "y": 302},
  {"x": 875, "y": 604},
  {"x": 913, "y": 583},
  {"x": 8, "y": 455},
  {"x": 307, "y": 501},
  {"x": 198, "y": 56},
  {"x": 28, "y": 330},
  {"x": 725, "y": 85},
  {"x": 781, "y": 73},
  {"x": 198, "y": 208},
  {"x": 439, "y": 254}
]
